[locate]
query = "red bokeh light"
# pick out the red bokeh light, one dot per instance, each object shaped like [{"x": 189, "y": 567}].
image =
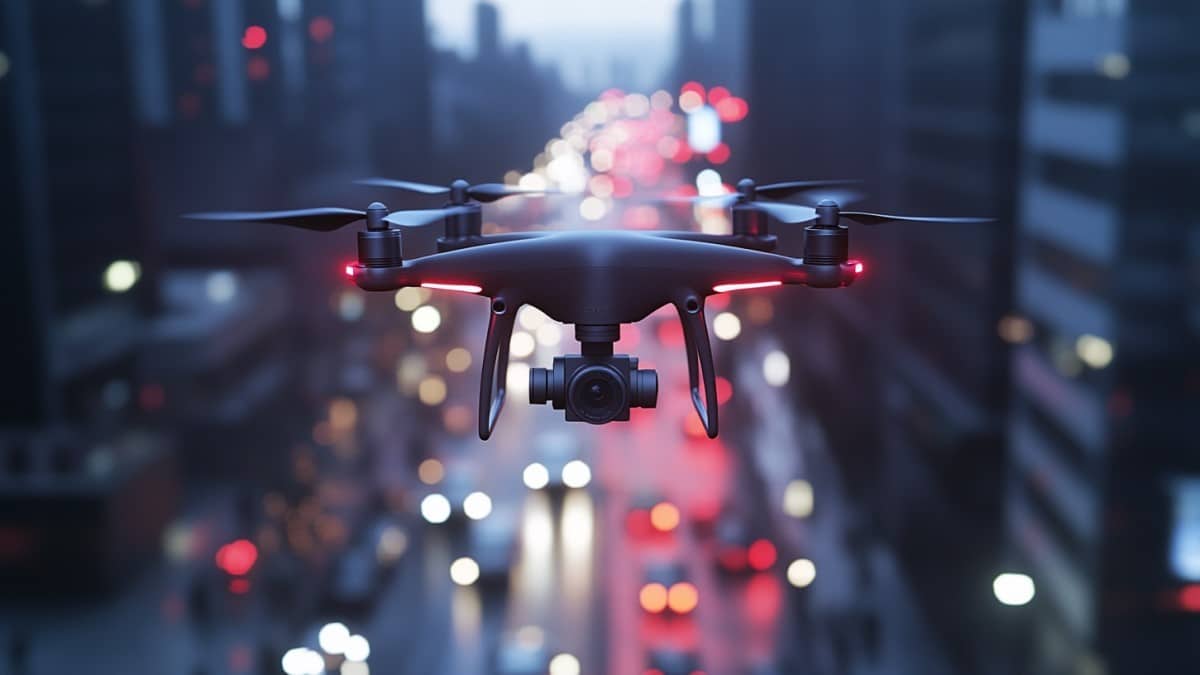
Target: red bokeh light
[
  {"x": 254, "y": 37},
  {"x": 717, "y": 94},
  {"x": 237, "y": 557},
  {"x": 724, "y": 390},
  {"x": 258, "y": 69},
  {"x": 239, "y": 586},
  {"x": 761, "y": 555},
  {"x": 683, "y": 154},
  {"x": 670, "y": 334},
  {"x": 637, "y": 522},
  {"x": 719, "y": 154},
  {"x": 732, "y": 558},
  {"x": 320, "y": 29},
  {"x": 1189, "y": 598},
  {"x": 693, "y": 86},
  {"x": 732, "y": 109}
]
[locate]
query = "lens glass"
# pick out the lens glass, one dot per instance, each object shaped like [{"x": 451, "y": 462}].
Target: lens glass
[{"x": 597, "y": 394}]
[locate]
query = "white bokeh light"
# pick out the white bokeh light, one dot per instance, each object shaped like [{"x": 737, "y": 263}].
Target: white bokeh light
[
  {"x": 1013, "y": 589},
  {"x": 576, "y": 474},
  {"x": 477, "y": 506},
  {"x": 333, "y": 637},
  {"x": 535, "y": 476},
  {"x": 727, "y": 326},
  {"x": 426, "y": 319},
  {"x": 464, "y": 571},
  {"x": 435, "y": 508},
  {"x": 777, "y": 368}
]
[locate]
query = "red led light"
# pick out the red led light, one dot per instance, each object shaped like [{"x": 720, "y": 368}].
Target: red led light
[
  {"x": 725, "y": 288},
  {"x": 761, "y": 555},
  {"x": 254, "y": 37},
  {"x": 237, "y": 557},
  {"x": 858, "y": 268},
  {"x": 461, "y": 288},
  {"x": 350, "y": 271}
]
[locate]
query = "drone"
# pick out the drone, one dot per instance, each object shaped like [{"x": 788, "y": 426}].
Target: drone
[{"x": 596, "y": 280}]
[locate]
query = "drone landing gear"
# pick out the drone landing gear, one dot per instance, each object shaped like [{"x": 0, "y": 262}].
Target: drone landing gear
[
  {"x": 700, "y": 360},
  {"x": 495, "y": 364}
]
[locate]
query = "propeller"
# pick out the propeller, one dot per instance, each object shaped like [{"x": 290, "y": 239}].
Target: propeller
[
  {"x": 423, "y": 216},
  {"x": 748, "y": 191},
  {"x": 792, "y": 187},
  {"x": 880, "y": 218},
  {"x": 322, "y": 219},
  {"x": 328, "y": 218},
  {"x": 459, "y": 190}
]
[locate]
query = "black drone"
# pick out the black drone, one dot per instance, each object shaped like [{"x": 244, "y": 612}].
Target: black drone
[{"x": 596, "y": 280}]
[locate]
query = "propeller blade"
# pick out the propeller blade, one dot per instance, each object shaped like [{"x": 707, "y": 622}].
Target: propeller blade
[
  {"x": 422, "y": 216},
  {"x": 326, "y": 219},
  {"x": 490, "y": 192},
  {"x": 715, "y": 201},
  {"x": 880, "y": 218},
  {"x": 789, "y": 188},
  {"x": 423, "y": 188},
  {"x": 788, "y": 213}
]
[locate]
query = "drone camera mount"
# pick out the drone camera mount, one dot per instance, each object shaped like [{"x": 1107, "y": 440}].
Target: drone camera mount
[{"x": 594, "y": 386}]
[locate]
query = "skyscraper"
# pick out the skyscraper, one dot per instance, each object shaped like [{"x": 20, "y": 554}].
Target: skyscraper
[
  {"x": 1106, "y": 379},
  {"x": 906, "y": 370}
]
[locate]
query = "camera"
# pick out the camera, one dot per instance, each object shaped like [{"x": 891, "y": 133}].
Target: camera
[{"x": 594, "y": 389}]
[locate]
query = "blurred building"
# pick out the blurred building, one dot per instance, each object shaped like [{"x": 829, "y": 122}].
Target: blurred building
[
  {"x": 907, "y": 372},
  {"x": 1101, "y": 510},
  {"x": 79, "y": 269},
  {"x": 492, "y": 112}
]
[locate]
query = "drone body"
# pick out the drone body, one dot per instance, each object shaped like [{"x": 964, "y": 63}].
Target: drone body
[{"x": 596, "y": 280}]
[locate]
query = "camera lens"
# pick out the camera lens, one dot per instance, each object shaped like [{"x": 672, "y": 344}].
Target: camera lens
[{"x": 597, "y": 394}]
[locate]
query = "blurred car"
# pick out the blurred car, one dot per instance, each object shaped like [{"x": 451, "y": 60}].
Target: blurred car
[
  {"x": 637, "y": 519},
  {"x": 559, "y": 462},
  {"x": 739, "y": 550},
  {"x": 672, "y": 661},
  {"x": 666, "y": 590},
  {"x": 448, "y": 501},
  {"x": 522, "y": 652},
  {"x": 363, "y": 568},
  {"x": 492, "y": 545}
]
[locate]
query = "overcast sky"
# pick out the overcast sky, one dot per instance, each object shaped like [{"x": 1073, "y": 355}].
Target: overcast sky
[{"x": 582, "y": 37}]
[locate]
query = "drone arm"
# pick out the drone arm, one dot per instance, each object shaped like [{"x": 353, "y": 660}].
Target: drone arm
[
  {"x": 495, "y": 365},
  {"x": 700, "y": 360}
]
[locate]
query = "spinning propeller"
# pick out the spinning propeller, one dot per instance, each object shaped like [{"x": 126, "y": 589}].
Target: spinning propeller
[
  {"x": 329, "y": 218},
  {"x": 460, "y": 190},
  {"x": 748, "y": 193}
]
